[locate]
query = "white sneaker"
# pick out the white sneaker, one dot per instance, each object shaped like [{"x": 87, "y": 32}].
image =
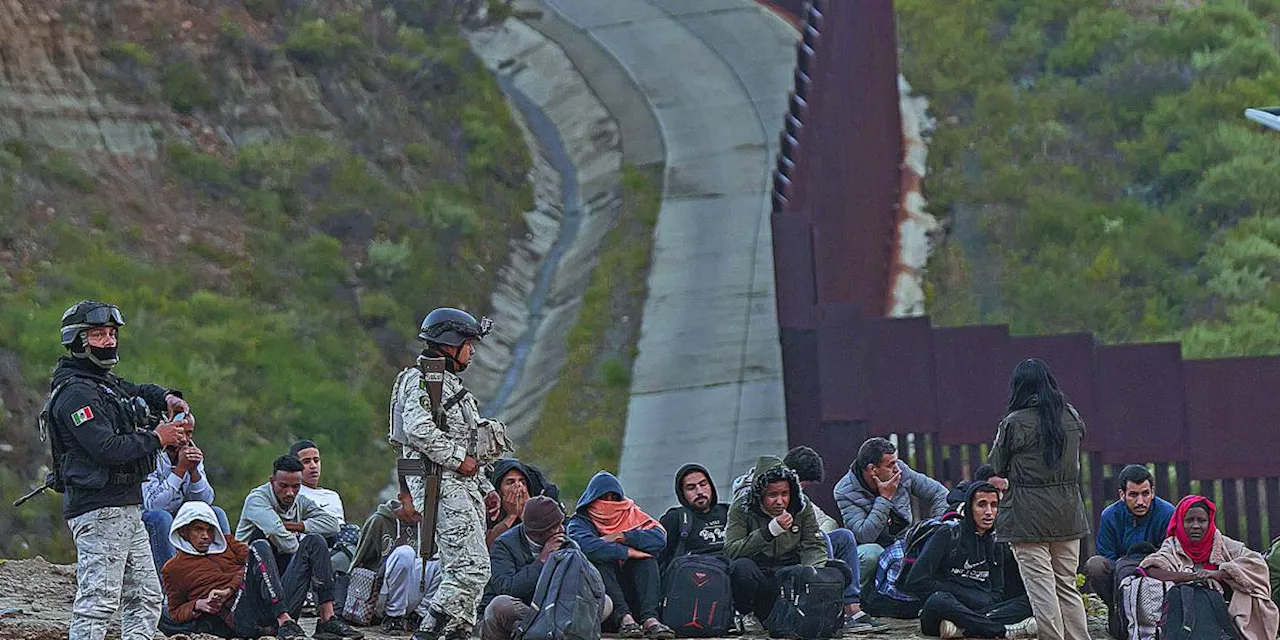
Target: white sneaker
[
  {"x": 1025, "y": 629},
  {"x": 948, "y": 629},
  {"x": 735, "y": 629},
  {"x": 751, "y": 625}
]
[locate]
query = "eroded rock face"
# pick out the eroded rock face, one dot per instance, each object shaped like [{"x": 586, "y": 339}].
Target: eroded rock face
[
  {"x": 47, "y": 96},
  {"x": 586, "y": 210}
]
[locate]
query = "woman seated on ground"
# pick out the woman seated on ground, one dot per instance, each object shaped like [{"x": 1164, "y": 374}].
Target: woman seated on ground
[{"x": 1195, "y": 550}]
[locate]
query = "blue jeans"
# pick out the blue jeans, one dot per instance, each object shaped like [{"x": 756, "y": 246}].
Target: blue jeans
[
  {"x": 842, "y": 546},
  {"x": 158, "y": 524}
]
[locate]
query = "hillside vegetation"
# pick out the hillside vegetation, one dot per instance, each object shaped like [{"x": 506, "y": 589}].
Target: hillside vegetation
[
  {"x": 1095, "y": 169},
  {"x": 327, "y": 173}
]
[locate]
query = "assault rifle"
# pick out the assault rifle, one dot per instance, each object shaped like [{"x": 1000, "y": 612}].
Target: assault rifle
[{"x": 433, "y": 383}]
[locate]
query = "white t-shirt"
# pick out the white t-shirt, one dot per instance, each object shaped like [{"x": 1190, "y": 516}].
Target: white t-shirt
[{"x": 328, "y": 499}]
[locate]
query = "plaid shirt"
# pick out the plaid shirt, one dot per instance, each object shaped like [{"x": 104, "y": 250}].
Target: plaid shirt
[{"x": 892, "y": 564}]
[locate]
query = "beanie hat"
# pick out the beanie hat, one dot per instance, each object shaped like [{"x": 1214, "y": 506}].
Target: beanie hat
[{"x": 541, "y": 515}]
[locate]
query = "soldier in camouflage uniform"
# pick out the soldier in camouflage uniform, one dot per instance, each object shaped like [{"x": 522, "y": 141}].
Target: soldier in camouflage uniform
[
  {"x": 102, "y": 454},
  {"x": 464, "y": 451}
]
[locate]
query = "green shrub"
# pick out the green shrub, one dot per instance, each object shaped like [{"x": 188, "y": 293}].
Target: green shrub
[
  {"x": 60, "y": 167},
  {"x": 419, "y": 154},
  {"x": 122, "y": 51},
  {"x": 231, "y": 31},
  {"x": 387, "y": 261},
  {"x": 185, "y": 88},
  {"x": 402, "y": 65},
  {"x": 318, "y": 42},
  {"x": 379, "y": 306},
  {"x": 200, "y": 170},
  {"x": 263, "y": 9},
  {"x": 616, "y": 373},
  {"x": 447, "y": 213}
]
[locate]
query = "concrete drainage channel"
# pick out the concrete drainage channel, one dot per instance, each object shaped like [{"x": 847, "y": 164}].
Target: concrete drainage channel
[{"x": 576, "y": 175}]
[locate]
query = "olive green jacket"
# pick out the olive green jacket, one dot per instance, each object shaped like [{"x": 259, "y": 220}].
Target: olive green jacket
[
  {"x": 748, "y": 534},
  {"x": 1042, "y": 504}
]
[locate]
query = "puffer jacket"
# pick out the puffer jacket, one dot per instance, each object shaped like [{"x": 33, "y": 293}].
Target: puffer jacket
[
  {"x": 748, "y": 534},
  {"x": 873, "y": 518},
  {"x": 1042, "y": 504}
]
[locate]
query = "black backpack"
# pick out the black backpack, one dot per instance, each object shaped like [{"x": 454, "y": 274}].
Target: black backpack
[
  {"x": 698, "y": 601},
  {"x": 896, "y": 563},
  {"x": 567, "y": 601},
  {"x": 1195, "y": 612},
  {"x": 810, "y": 603}
]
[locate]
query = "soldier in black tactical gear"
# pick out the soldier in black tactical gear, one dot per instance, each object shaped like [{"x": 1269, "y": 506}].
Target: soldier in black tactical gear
[{"x": 104, "y": 445}]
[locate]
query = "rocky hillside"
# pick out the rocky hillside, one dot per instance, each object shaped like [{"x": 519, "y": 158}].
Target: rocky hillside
[{"x": 275, "y": 192}]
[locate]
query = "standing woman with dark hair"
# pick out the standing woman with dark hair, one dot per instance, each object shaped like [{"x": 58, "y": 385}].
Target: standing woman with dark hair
[{"x": 1036, "y": 457}]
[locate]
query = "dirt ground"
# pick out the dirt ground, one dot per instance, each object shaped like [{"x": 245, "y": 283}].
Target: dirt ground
[{"x": 36, "y": 597}]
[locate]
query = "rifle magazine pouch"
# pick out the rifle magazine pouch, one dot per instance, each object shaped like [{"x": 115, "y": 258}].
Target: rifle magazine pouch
[{"x": 492, "y": 441}]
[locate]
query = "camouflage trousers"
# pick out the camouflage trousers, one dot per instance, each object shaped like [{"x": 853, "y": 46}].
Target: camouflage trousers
[
  {"x": 114, "y": 566},
  {"x": 464, "y": 558}
]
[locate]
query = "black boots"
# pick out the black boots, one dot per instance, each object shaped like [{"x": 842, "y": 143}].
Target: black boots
[{"x": 433, "y": 628}]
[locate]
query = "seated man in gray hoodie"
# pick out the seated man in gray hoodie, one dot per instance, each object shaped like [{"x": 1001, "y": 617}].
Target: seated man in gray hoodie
[
  {"x": 277, "y": 513},
  {"x": 875, "y": 501}
]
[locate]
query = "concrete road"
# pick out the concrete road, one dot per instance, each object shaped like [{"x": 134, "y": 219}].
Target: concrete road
[{"x": 707, "y": 383}]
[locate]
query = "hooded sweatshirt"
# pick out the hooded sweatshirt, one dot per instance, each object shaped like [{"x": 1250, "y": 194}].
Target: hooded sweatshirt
[
  {"x": 533, "y": 476},
  {"x": 698, "y": 531},
  {"x": 959, "y": 561},
  {"x": 381, "y": 533},
  {"x": 263, "y": 517},
  {"x": 191, "y": 575},
  {"x": 583, "y": 530},
  {"x": 749, "y": 534}
]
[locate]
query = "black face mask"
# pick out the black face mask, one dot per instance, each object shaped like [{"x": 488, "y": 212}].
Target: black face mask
[{"x": 105, "y": 357}]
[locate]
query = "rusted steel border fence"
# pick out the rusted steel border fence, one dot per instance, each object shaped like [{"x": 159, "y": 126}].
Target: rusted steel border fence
[{"x": 1208, "y": 426}]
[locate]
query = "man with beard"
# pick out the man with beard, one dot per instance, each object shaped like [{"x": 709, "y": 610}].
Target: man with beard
[
  {"x": 961, "y": 576},
  {"x": 276, "y": 513},
  {"x": 1139, "y": 516},
  {"x": 697, "y": 525}
]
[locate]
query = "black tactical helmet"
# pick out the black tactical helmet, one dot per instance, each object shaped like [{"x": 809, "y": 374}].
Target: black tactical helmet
[
  {"x": 87, "y": 314},
  {"x": 453, "y": 327}
]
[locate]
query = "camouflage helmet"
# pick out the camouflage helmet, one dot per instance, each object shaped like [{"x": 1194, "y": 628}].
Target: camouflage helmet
[
  {"x": 453, "y": 327},
  {"x": 87, "y": 314}
]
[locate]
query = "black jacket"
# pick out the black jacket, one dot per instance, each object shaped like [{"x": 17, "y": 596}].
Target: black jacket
[
  {"x": 705, "y": 529},
  {"x": 958, "y": 561},
  {"x": 514, "y": 567},
  {"x": 104, "y": 457}
]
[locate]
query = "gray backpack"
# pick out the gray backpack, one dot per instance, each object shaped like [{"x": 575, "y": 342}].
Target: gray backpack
[{"x": 567, "y": 601}]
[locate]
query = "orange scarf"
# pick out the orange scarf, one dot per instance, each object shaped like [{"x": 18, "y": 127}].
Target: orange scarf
[{"x": 616, "y": 517}]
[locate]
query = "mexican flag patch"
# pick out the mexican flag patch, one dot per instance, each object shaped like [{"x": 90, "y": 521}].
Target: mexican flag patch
[{"x": 82, "y": 416}]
